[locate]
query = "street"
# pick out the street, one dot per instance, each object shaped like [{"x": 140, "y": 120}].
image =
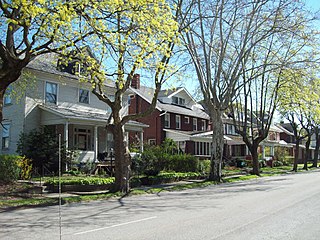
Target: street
[{"x": 280, "y": 207}]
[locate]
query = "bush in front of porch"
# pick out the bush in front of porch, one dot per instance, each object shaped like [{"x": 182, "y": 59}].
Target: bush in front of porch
[
  {"x": 42, "y": 147},
  {"x": 154, "y": 159}
]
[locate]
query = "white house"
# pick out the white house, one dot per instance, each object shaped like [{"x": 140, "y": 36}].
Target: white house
[{"x": 55, "y": 97}]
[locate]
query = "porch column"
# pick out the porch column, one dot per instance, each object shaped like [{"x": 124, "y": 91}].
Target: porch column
[
  {"x": 66, "y": 134},
  {"x": 263, "y": 151},
  {"x": 272, "y": 150},
  {"x": 95, "y": 142},
  {"x": 141, "y": 141},
  {"x": 66, "y": 138}
]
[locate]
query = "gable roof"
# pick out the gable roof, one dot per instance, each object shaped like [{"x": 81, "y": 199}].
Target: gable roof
[
  {"x": 146, "y": 93},
  {"x": 286, "y": 128},
  {"x": 48, "y": 63}
]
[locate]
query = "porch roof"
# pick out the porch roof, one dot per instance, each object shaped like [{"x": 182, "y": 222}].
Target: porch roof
[
  {"x": 275, "y": 143},
  {"x": 177, "y": 135},
  {"x": 58, "y": 115}
]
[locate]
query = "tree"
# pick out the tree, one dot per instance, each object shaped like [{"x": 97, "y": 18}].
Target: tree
[
  {"x": 288, "y": 47},
  {"x": 32, "y": 28},
  {"x": 299, "y": 104},
  {"x": 223, "y": 41},
  {"x": 133, "y": 36}
]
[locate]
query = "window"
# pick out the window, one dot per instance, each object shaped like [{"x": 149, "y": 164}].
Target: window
[
  {"x": 84, "y": 96},
  {"x": 152, "y": 142},
  {"x": 51, "y": 92},
  {"x": 167, "y": 120},
  {"x": 186, "y": 120},
  {"x": 230, "y": 129},
  {"x": 5, "y": 136},
  {"x": 7, "y": 97},
  {"x": 195, "y": 124},
  {"x": 178, "y": 122},
  {"x": 179, "y": 101},
  {"x": 203, "y": 125},
  {"x": 175, "y": 100}
]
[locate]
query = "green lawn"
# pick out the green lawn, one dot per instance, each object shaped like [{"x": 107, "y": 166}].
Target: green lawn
[{"x": 9, "y": 199}]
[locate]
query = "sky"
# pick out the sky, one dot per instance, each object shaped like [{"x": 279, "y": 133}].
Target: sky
[{"x": 192, "y": 84}]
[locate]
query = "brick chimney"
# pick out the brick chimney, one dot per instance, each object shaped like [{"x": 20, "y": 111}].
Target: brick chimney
[{"x": 135, "y": 83}]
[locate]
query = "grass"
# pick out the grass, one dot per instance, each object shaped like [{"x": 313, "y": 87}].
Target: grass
[
  {"x": 240, "y": 178},
  {"x": 9, "y": 202},
  {"x": 28, "y": 202}
]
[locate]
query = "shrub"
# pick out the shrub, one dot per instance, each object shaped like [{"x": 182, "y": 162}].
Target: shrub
[
  {"x": 25, "y": 166},
  {"x": 288, "y": 160},
  {"x": 281, "y": 153},
  {"x": 81, "y": 181},
  {"x": 9, "y": 168},
  {"x": 183, "y": 163},
  {"x": 204, "y": 166},
  {"x": 277, "y": 163},
  {"x": 43, "y": 148}
]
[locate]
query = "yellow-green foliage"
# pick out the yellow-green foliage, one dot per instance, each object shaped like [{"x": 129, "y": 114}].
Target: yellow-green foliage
[
  {"x": 25, "y": 166},
  {"x": 9, "y": 169}
]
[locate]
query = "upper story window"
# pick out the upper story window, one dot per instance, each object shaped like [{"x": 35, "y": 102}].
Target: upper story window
[
  {"x": 51, "y": 92},
  {"x": 84, "y": 96},
  {"x": 5, "y": 135},
  {"x": 7, "y": 97},
  {"x": 179, "y": 101},
  {"x": 203, "y": 125},
  {"x": 178, "y": 122},
  {"x": 167, "y": 120},
  {"x": 230, "y": 129},
  {"x": 195, "y": 125},
  {"x": 186, "y": 120}
]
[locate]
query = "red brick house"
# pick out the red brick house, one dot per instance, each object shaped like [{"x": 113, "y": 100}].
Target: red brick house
[{"x": 177, "y": 116}]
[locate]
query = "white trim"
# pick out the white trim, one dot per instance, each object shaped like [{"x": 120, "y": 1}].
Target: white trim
[
  {"x": 178, "y": 120},
  {"x": 165, "y": 115},
  {"x": 185, "y": 90},
  {"x": 185, "y": 118},
  {"x": 194, "y": 120}
]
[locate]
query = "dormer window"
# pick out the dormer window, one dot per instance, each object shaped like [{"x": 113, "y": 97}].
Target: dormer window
[{"x": 178, "y": 101}]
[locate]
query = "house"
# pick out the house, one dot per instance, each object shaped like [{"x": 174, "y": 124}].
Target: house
[
  {"x": 54, "y": 97},
  {"x": 177, "y": 116},
  {"x": 288, "y": 136}
]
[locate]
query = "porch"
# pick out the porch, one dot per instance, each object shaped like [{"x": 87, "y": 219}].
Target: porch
[{"x": 86, "y": 132}]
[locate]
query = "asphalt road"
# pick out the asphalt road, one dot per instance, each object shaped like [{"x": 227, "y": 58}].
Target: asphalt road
[{"x": 282, "y": 207}]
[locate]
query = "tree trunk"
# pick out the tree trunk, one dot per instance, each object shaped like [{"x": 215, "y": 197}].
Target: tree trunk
[
  {"x": 316, "y": 151},
  {"x": 122, "y": 161},
  {"x": 217, "y": 146},
  {"x": 255, "y": 160},
  {"x": 296, "y": 156},
  {"x": 307, "y": 156},
  {"x": 9, "y": 75}
]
